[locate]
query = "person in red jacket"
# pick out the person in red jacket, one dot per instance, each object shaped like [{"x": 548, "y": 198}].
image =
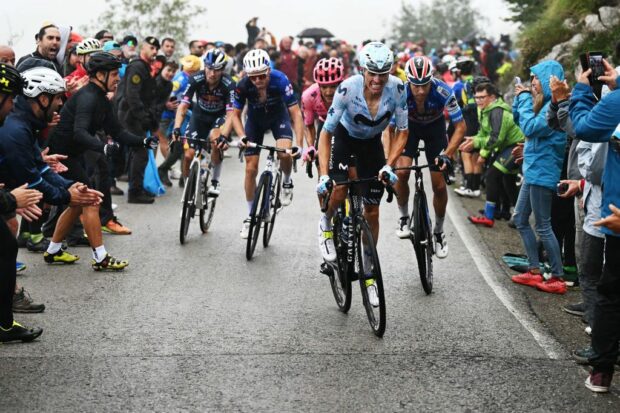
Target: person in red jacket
[
  {"x": 290, "y": 63},
  {"x": 79, "y": 77}
]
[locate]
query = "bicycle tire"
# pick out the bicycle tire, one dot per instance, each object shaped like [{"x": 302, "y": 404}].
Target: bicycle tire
[
  {"x": 274, "y": 205},
  {"x": 340, "y": 281},
  {"x": 256, "y": 215},
  {"x": 188, "y": 208},
  {"x": 422, "y": 240},
  {"x": 208, "y": 209},
  {"x": 376, "y": 315}
]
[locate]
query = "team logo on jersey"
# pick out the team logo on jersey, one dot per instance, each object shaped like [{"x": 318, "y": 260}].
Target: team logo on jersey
[
  {"x": 289, "y": 90},
  {"x": 136, "y": 79},
  {"x": 343, "y": 167},
  {"x": 400, "y": 87},
  {"x": 342, "y": 89},
  {"x": 331, "y": 111},
  {"x": 359, "y": 118}
]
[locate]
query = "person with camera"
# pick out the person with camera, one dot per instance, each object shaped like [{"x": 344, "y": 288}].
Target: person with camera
[
  {"x": 599, "y": 121},
  {"x": 543, "y": 156}
]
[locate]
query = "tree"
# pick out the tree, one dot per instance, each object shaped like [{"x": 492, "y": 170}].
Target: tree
[
  {"x": 438, "y": 22},
  {"x": 525, "y": 11},
  {"x": 159, "y": 18}
]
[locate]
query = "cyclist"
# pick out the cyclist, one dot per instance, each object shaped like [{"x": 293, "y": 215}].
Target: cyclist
[
  {"x": 268, "y": 94},
  {"x": 427, "y": 98},
  {"x": 328, "y": 74},
  {"x": 86, "y": 112},
  {"x": 361, "y": 110},
  {"x": 214, "y": 92}
]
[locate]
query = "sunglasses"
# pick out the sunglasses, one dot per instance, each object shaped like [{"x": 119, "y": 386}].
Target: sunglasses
[{"x": 258, "y": 77}]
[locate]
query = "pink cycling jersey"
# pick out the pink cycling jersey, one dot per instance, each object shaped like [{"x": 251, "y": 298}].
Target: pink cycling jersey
[{"x": 313, "y": 105}]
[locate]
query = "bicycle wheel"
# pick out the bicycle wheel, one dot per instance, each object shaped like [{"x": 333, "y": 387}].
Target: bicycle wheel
[
  {"x": 208, "y": 203},
  {"x": 422, "y": 240},
  {"x": 189, "y": 207},
  {"x": 365, "y": 245},
  {"x": 257, "y": 214},
  {"x": 339, "y": 279},
  {"x": 274, "y": 204}
]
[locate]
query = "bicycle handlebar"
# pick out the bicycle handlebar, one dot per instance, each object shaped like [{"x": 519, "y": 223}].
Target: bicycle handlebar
[
  {"x": 247, "y": 144},
  {"x": 331, "y": 184}
]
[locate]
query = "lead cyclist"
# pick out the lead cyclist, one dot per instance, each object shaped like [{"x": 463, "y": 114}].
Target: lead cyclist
[{"x": 361, "y": 110}]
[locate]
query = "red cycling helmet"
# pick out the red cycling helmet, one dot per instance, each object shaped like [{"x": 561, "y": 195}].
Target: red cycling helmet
[{"x": 328, "y": 71}]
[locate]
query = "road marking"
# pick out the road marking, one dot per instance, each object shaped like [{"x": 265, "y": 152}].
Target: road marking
[{"x": 551, "y": 347}]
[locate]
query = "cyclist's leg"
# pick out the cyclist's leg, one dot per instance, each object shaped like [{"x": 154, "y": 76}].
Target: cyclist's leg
[
  {"x": 406, "y": 159},
  {"x": 283, "y": 134},
  {"x": 436, "y": 140},
  {"x": 216, "y": 155},
  {"x": 340, "y": 167},
  {"x": 195, "y": 130},
  {"x": 369, "y": 161},
  {"x": 255, "y": 132}
]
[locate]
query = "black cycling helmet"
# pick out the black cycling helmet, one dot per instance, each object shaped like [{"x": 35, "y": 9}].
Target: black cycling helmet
[
  {"x": 478, "y": 80},
  {"x": 102, "y": 62},
  {"x": 11, "y": 82}
]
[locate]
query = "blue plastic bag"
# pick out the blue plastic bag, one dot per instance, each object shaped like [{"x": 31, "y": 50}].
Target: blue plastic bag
[{"x": 152, "y": 183}]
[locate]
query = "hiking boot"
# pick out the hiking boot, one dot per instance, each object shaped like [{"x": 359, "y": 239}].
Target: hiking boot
[
  {"x": 481, "y": 220},
  {"x": 554, "y": 285},
  {"x": 528, "y": 279},
  {"x": 109, "y": 263},
  {"x": 22, "y": 303},
  {"x": 115, "y": 227},
  {"x": 19, "y": 333}
]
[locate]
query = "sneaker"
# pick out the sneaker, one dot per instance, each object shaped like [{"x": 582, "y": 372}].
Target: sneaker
[
  {"x": 578, "y": 309},
  {"x": 163, "y": 176},
  {"x": 287, "y": 193},
  {"x": 528, "y": 279},
  {"x": 599, "y": 382},
  {"x": 373, "y": 297},
  {"x": 115, "y": 227},
  {"x": 175, "y": 173},
  {"x": 462, "y": 191},
  {"x": 214, "y": 188},
  {"x": 115, "y": 190},
  {"x": 22, "y": 303},
  {"x": 475, "y": 193},
  {"x": 588, "y": 330},
  {"x": 141, "y": 198},
  {"x": 109, "y": 263},
  {"x": 571, "y": 280},
  {"x": 19, "y": 266},
  {"x": 326, "y": 244},
  {"x": 60, "y": 257},
  {"x": 554, "y": 285},
  {"x": 18, "y": 332},
  {"x": 402, "y": 228},
  {"x": 481, "y": 220},
  {"x": 40, "y": 246},
  {"x": 245, "y": 228},
  {"x": 583, "y": 355},
  {"x": 441, "y": 245}
]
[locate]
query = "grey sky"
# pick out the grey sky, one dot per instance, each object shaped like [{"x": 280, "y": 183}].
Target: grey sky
[{"x": 352, "y": 20}]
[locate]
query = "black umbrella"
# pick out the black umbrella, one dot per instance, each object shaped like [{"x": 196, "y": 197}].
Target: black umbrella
[{"x": 315, "y": 33}]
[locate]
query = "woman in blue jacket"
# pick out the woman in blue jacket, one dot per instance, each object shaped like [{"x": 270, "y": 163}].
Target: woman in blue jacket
[{"x": 543, "y": 156}]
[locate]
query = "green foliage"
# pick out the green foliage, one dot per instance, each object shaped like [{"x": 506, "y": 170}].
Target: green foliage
[
  {"x": 438, "y": 22},
  {"x": 525, "y": 11},
  {"x": 159, "y": 18}
]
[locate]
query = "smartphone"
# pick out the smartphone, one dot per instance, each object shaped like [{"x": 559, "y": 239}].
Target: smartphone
[
  {"x": 594, "y": 61},
  {"x": 562, "y": 188},
  {"x": 517, "y": 80}
]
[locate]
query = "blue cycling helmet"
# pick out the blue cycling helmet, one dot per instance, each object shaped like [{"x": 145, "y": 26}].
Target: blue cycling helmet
[
  {"x": 215, "y": 59},
  {"x": 376, "y": 58}
]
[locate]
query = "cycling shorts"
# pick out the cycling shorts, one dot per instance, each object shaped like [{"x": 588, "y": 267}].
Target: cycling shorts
[
  {"x": 364, "y": 154},
  {"x": 435, "y": 140},
  {"x": 200, "y": 128},
  {"x": 256, "y": 126}
]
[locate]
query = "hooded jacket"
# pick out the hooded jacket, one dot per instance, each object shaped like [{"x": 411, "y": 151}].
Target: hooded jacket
[
  {"x": 20, "y": 156},
  {"x": 543, "y": 153},
  {"x": 289, "y": 64}
]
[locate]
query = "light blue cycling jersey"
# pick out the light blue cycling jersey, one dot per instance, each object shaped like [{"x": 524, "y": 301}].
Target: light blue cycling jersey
[{"x": 349, "y": 108}]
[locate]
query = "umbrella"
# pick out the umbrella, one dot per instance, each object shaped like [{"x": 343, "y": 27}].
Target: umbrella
[{"x": 315, "y": 33}]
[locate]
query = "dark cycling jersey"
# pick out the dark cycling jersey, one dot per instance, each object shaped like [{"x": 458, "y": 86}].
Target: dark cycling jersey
[
  {"x": 211, "y": 102},
  {"x": 280, "y": 95},
  {"x": 439, "y": 98},
  {"x": 86, "y": 112}
]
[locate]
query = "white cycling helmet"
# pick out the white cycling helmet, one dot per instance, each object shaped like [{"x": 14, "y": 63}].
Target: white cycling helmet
[
  {"x": 42, "y": 80},
  {"x": 256, "y": 61},
  {"x": 88, "y": 46},
  {"x": 376, "y": 58}
]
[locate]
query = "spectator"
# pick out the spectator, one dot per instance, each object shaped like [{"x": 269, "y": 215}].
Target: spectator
[
  {"x": 252, "y": 29},
  {"x": 196, "y": 48},
  {"x": 48, "y": 46},
  {"x": 129, "y": 46},
  {"x": 114, "y": 48},
  {"x": 79, "y": 77},
  {"x": 309, "y": 64},
  {"x": 542, "y": 164},
  {"x": 7, "y": 55},
  {"x": 168, "y": 46},
  {"x": 598, "y": 122},
  {"x": 104, "y": 36},
  {"x": 290, "y": 63}
]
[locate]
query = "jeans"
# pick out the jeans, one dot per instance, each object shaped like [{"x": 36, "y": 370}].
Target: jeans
[
  {"x": 590, "y": 270},
  {"x": 537, "y": 199},
  {"x": 606, "y": 327}
]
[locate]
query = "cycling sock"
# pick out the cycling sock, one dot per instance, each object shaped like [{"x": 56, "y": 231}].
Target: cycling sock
[
  {"x": 476, "y": 181},
  {"x": 489, "y": 210},
  {"x": 438, "y": 224},
  {"x": 99, "y": 253},
  {"x": 404, "y": 210},
  {"x": 54, "y": 247},
  {"x": 326, "y": 223},
  {"x": 36, "y": 238},
  {"x": 250, "y": 206},
  {"x": 217, "y": 171},
  {"x": 287, "y": 177}
]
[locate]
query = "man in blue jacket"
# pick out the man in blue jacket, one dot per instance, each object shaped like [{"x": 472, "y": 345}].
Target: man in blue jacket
[{"x": 600, "y": 122}]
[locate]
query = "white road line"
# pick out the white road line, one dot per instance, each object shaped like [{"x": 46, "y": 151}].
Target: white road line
[{"x": 551, "y": 347}]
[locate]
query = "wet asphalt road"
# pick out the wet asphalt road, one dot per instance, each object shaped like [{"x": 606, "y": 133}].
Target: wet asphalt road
[{"x": 198, "y": 328}]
